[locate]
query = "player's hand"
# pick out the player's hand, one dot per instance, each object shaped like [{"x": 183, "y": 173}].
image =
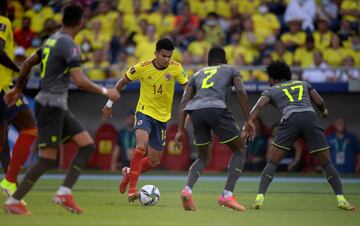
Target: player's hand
[
  {"x": 113, "y": 94},
  {"x": 12, "y": 97},
  {"x": 107, "y": 113},
  {"x": 325, "y": 114},
  {"x": 249, "y": 128},
  {"x": 179, "y": 137}
]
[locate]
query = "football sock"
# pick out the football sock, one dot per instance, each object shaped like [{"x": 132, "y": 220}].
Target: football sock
[
  {"x": 267, "y": 176},
  {"x": 146, "y": 165},
  {"x": 135, "y": 167},
  {"x": 78, "y": 164},
  {"x": 20, "y": 154},
  {"x": 5, "y": 156},
  {"x": 42, "y": 165},
  {"x": 236, "y": 165},
  {"x": 63, "y": 191},
  {"x": 227, "y": 193},
  {"x": 195, "y": 171},
  {"x": 333, "y": 178}
]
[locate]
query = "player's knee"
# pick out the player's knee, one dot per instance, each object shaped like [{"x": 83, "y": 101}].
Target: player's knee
[{"x": 141, "y": 145}]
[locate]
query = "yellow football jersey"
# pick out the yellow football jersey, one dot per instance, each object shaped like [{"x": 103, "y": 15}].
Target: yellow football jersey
[
  {"x": 156, "y": 87},
  {"x": 7, "y": 36}
]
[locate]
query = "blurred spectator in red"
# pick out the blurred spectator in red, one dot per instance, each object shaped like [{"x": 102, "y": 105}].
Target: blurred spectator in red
[
  {"x": 322, "y": 35},
  {"x": 319, "y": 71},
  {"x": 24, "y": 35},
  {"x": 186, "y": 25},
  {"x": 281, "y": 53},
  {"x": 295, "y": 37},
  {"x": 214, "y": 33},
  {"x": 349, "y": 72},
  {"x": 256, "y": 149},
  {"x": 344, "y": 149},
  {"x": 304, "y": 9}
]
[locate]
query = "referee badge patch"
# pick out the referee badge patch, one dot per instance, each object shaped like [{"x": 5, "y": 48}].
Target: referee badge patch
[{"x": 2, "y": 27}]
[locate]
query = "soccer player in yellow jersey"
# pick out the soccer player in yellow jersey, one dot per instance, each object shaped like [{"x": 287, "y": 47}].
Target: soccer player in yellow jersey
[
  {"x": 19, "y": 115},
  {"x": 157, "y": 83}
]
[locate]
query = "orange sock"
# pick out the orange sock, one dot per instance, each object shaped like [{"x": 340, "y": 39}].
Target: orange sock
[
  {"x": 135, "y": 167},
  {"x": 146, "y": 165},
  {"x": 20, "y": 154}
]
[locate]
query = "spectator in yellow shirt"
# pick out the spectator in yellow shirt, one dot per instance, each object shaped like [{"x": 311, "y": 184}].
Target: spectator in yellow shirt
[
  {"x": 249, "y": 38},
  {"x": 198, "y": 49},
  {"x": 132, "y": 20},
  {"x": 224, "y": 8},
  {"x": 163, "y": 19},
  {"x": 345, "y": 33},
  {"x": 304, "y": 55},
  {"x": 335, "y": 54},
  {"x": 214, "y": 33},
  {"x": 323, "y": 35},
  {"x": 145, "y": 49},
  {"x": 202, "y": 7},
  {"x": 248, "y": 7},
  {"x": 38, "y": 14},
  {"x": 281, "y": 53},
  {"x": 97, "y": 69},
  {"x": 107, "y": 18},
  {"x": 97, "y": 39},
  {"x": 260, "y": 75},
  {"x": 350, "y": 10},
  {"x": 236, "y": 53},
  {"x": 295, "y": 37}
]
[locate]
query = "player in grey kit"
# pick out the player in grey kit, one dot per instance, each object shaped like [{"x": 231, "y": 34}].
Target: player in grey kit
[
  {"x": 205, "y": 100},
  {"x": 60, "y": 62},
  {"x": 294, "y": 100}
]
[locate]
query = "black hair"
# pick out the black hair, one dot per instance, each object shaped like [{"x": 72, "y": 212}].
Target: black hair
[
  {"x": 72, "y": 15},
  {"x": 3, "y": 7},
  {"x": 216, "y": 56},
  {"x": 279, "y": 70},
  {"x": 164, "y": 43}
]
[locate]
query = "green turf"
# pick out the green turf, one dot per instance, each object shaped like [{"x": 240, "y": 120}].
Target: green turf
[{"x": 287, "y": 204}]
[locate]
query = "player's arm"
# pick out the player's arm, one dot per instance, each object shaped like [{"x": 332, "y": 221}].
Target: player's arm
[
  {"x": 189, "y": 93},
  {"x": 319, "y": 102},
  {"x": 14, "y": 94},
  {"x": 5, "y": 59},
  {"x": 244, "y": 104}
]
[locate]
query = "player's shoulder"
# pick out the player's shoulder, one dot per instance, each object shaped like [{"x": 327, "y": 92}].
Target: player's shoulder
[
  {"x": 4, "y": 23},
  {"x": 145, "y": 63},
  {"x": 175, "y": 64}
]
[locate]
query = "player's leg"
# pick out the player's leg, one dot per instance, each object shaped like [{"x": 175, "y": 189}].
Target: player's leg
[
  {"x": 202, "y": 135},
  {"x": 50, "y": 125},
  {"x": 4, "y": 146},
  {"x": 319, "y": 148},
  {"x": 74, "y": 130},
  {"x": 24, "y": 122}
]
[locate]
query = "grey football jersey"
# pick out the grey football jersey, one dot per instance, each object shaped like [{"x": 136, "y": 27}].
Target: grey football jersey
[
  {"x": 212, "y": 85},
  {"x": 290, "y": 96},
  {"x": 59, "y": 54}
]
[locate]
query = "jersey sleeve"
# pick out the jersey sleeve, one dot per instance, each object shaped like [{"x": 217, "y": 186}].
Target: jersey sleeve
[
  {"x": 4, "y": 29},
  {"x": 266, "y": 93},
  {"x": 71, "y": 53},
  {"x": 134, "y": 72},
  {"x": 192, "y": 80},
  {"x": 181, "y": 75},
  {"x": 235, "y": 72},
  {"x": 307, "y": 85}
]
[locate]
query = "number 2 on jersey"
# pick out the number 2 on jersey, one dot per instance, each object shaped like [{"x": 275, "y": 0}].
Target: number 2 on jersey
[
  {"x": 300, "y": 95},
  {"x": 205, "y": 82},
  {"x": 45, "y": 57}
]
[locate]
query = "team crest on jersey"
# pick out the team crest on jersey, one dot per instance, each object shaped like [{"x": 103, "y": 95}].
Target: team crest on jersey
[
  {"x": 2, "y": 27},
  {"x": 140, "y": 122},
  {"x": 167, "y": 76}
]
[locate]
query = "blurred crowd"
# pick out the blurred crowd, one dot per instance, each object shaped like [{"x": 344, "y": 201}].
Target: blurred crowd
[{"x": 321, "y": 37}]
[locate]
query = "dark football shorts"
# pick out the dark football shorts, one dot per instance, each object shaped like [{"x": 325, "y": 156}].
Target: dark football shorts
[
  {"x": 155, "y": 128},
  {"x": 55, "y": 125},
  {"x": 218, "y": 120},
  {"x": 304, "y": 125},
  {"x": 9, "y": 113}
]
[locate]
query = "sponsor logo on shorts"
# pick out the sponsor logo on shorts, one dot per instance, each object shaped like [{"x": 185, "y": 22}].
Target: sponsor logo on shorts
[{"x": 140, "y": 122}]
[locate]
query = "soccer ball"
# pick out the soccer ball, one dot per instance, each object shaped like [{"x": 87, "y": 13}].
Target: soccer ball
[{"x": 149, "y": 195}]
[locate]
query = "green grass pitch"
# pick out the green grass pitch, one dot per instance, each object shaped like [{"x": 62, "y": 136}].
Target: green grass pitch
[{"x": 286, "y": 204}]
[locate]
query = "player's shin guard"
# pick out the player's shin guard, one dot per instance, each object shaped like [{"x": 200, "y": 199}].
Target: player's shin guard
[
  {"x": 42, "y": 165},
  {"x": 135, "y": 167},
  {"x": 267, "y": 176},
  {"x": 147, "y": 165},
  {"x": 20, "y": 153},
  {"x": 78, "y": 165},
  {"x": 333, "y": 177},
  {"x": 195, "y": 171},
  {"x": 236, "y": 165}
]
